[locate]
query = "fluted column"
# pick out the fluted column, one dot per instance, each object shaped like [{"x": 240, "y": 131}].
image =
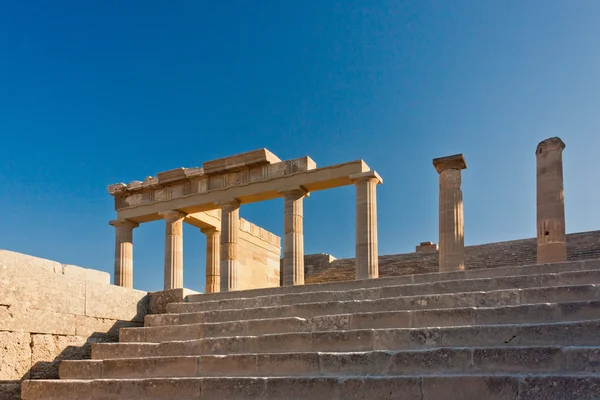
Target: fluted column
[
  {"x": 451, "y": 223},
  {"x": 173, "y": 248},
  {"x": 230, "y": 227},
  {"x": 293, "y": 239},
  {"x": 124, "y": 252},
  {"x": 213, "y": 260},
  {"x": 367, "y": 257},
  {"x": 551, "y": 236}
]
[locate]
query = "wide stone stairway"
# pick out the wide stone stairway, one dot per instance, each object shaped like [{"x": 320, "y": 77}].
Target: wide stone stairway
[{"x": 528, "y": 332}]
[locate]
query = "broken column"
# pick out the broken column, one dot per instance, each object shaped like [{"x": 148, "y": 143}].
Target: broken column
[
  {"x": 367, "y": 257},
  {"x": 213, "y": 260},
  {"x": 124, "y": 252},
  {"x": 230, "y": 227},
  {"x": 293, "y": 240},
  {"x": 551, "y": 237},
  {"x": 173, "y": 248},
  {"x": 451, "y": 223}
]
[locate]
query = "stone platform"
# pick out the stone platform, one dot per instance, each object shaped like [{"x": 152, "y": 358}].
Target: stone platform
[{"x": 526, "y": 332}]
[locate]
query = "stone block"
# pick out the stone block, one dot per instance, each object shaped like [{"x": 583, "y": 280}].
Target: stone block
[
  {"x": 300, "y": 388},
  {"x": 530, "y": 313},
  {"x": 380, "y": 388},
  {"x": 582, "y": 359},
  {"x": 361, "y": 340},
  {"x": 292, "y": 342},
  {"x": 29, "y": 265},
  {"x": 558, "y": 294},
  {"x": 80, "y": 369},
  {"x": 354, "y": 363},
  {"x": 159, "y": 367},
  {"x": 157, "y": 301},
  {"x": 115, "y": 302},
  {"x": 167, "y": 389},
  {"x": 578, "y": 311},
  {"x": 288, "y": 364},
  {"x": 10, "y": 390},
  {"x": 443, "y": 317},
  {"x": 380, "y": 320},
  {"x": 467, "y": 388},
  {"x": 233, "y": 389},
  {"x": 85, "y": 274},
  {"x": 557, "y": 387},
  {"x": 407, "y": 339},
  {"x": 16, "y": 356},
  {"x": 48, "y": 350},
  {"x": 105, "y": 351},
  {"x": 57, "y": 390},
  {"x": 18, "y": 319},
  {"x": 117, "y": 389},
  {"x": 107, "y": 329},
  {"x": 228, "y": 365},
  {"x": 441, "y": 360},
  {"x": 518, "y": 359},
  {"x": 233, "y": 328}
]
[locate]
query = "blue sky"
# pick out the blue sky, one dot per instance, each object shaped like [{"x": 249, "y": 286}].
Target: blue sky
[{"x": 94, "y": 93}]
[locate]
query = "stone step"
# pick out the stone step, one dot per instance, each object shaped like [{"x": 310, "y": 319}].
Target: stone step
[
  {"x": 580, "y": 333},
  {"x": 498, "y": 360},
  {"x": 447, "y": 387},
  {"x": 406, "y": 279},
  {"x": 451, "y": 286},
  {"x": 529, "y": 313},
  {"x": 420, "y": 302}
]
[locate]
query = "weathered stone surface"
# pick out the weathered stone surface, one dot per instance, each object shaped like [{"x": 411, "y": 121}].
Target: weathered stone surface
[
  {"x": 15, "y": 318},
  {"x": 114, "y": 302},
  {"x": 157, "y": 301},
  {"x": 166, "y": 389},
  {"x": 48, "y": 350},
  {"x": 80, "y": 369},
  {"x": 380, "y": 388},
  {"x": 477, "y": 387},
  {"x": 557, "y": 387},
  {"x": 10, "y": 390},
  {"x": 57, "y": 390},
  {"x": 26, "y": 262},
  {"x": 107, "y": 329},
  {"x": 117, "y": 389},
  {"x": 15, "y": 355},
  {"x": 86, "y": 274}
]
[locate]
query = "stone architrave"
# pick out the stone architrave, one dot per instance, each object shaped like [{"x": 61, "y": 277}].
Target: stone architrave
[
  {"x": 367, "y": 257},
  {"x": 551, "y": 237},
  {"x": 293, "y": 240},
  {"x": 451, "y": 223},
  {"x": 124, "y": 252},
  {"x": 213, "y": 260},
  {"x": 230, "y": 227},
  {"x": 173, "y": 249}
]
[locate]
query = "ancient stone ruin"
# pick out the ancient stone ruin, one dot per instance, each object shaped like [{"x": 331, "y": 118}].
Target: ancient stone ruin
[{"x": 509, "y": 320}]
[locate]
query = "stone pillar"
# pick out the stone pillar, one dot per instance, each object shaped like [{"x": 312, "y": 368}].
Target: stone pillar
[
  {"x": 452, "y": 234},
  {"x": 367, "y": 257},
  {"x": 551, "y": 237},
  {"x": 293, "y": 240},
  {"x": 124, "y": 252},
  {"x": 230, "y": 227},
  {"x": 213, "y": 260},
  {"x": 173, "y": 248}
]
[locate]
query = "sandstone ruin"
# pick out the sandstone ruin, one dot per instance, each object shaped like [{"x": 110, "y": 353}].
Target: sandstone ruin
[{"x": 510, "y": 320}]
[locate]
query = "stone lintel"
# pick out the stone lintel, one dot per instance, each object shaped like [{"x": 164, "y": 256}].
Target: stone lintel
[
  {"x": 456, "y": 161},
  {"x": 117, "y": 189},
  {"x": 240, "y": 161},
  {"x": 366, "y": 175},
  {"x": 553, "y": 143},
  {"x": 172, "y": 175}
]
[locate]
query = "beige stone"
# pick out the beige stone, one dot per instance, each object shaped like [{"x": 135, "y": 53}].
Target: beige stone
[
  {"x": 16, "y": 355},
  {"x": 124, "y": 253},
  {"x": 293, "y": 253},
  {"x": 425, "y": 247},
  {"x": 230, "y": 214},
  {"x": 213, "y": 260},
  {"x": 114, "y": 302},
  {"x": 157, "y": 301},
  {"x": 48, "y": 350},
  {"x": 26, "y": 262},
  {"x": 173, "y": 249},
  {"x": 551, "y": 239},
  {"x": 451, "y": 220},
  {"x": 19, "y": 319}
]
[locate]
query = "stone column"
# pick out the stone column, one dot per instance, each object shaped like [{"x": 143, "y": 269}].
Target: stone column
[
  {"x": 452, "y": 234},
  {"x": 293, "y": 239},
  {"x": 230, "y": 227},
  {"x": 551, "y": 237},
  {"x": 367, "y": 257},
  {"x": 173, "y": 249},
  {"x": 124, "y": 252},
  {"x": 213, "y": 260}
]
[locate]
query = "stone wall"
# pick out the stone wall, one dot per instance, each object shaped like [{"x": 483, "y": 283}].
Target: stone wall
[
  {"x": 580, "y": 246},
  {"x": 50, "y": 311},
  {"x": 260, "y": 251}
]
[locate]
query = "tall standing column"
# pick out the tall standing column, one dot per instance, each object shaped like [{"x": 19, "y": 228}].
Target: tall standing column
[
  {"x": 293, "y": 239},
  {"x": 367, "y": 257},
  {"x": 551, "y": 237},
  {"x": 173, "y": 249},
  {"x": 124, "y": 252},
  {"x": 213, "y": 260},
  {"x": 230, "y": 227},
  {"x": 452, "y": 225}
]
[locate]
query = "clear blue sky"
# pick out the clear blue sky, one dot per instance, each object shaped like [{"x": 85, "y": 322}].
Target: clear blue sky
[{"x": 94, "y": 93}]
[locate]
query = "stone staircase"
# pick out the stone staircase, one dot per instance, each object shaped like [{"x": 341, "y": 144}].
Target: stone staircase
[{"x": 527, "y": 332}]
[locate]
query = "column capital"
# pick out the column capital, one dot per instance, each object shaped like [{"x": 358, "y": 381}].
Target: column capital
[
  {"x": 123, "y": 224},
  {"x": 366, "y": 176},
  {"x": 553, "y": 143},
  {"x": 294, "y": 191},
  {"x": 456, "y": 161},
  {"x": 172, "y": 215},
  {"x": 229, "y": 203},
  {"x": 210, "y": 230}
]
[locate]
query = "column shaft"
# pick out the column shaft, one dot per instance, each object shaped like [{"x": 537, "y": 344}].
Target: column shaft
[
  {"x": 367, "y": 257},
  {"x": 551, "y": 235},
  {"x": 230, "y": 227},
  {"x": 123, "y": 275},
  {"x": 293, "y": 240},
  {"x": 213, "y": 260},
  {"x": 451, "y": 223},
  {"x": 173, "y": 249}
]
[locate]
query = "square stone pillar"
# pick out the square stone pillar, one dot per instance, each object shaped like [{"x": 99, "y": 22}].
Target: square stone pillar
[
  {"x": 452, "y": 234},
  {"x": 367, "y": 257},
  {"x": 230, "y": 228},
  {"x": 213, "y": 260},
  {"x": 551, "y": 235},
  {"x": 124, "y": 252},
  {"x": 293, "y": 239},
  {"x": 173, "y": 248}
]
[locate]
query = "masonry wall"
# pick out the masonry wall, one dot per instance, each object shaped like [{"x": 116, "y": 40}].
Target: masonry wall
[
  {"x": 50, "y": 311},
  {"x": 259, "y": 255},
  {"x": 580, "y": 246}
]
